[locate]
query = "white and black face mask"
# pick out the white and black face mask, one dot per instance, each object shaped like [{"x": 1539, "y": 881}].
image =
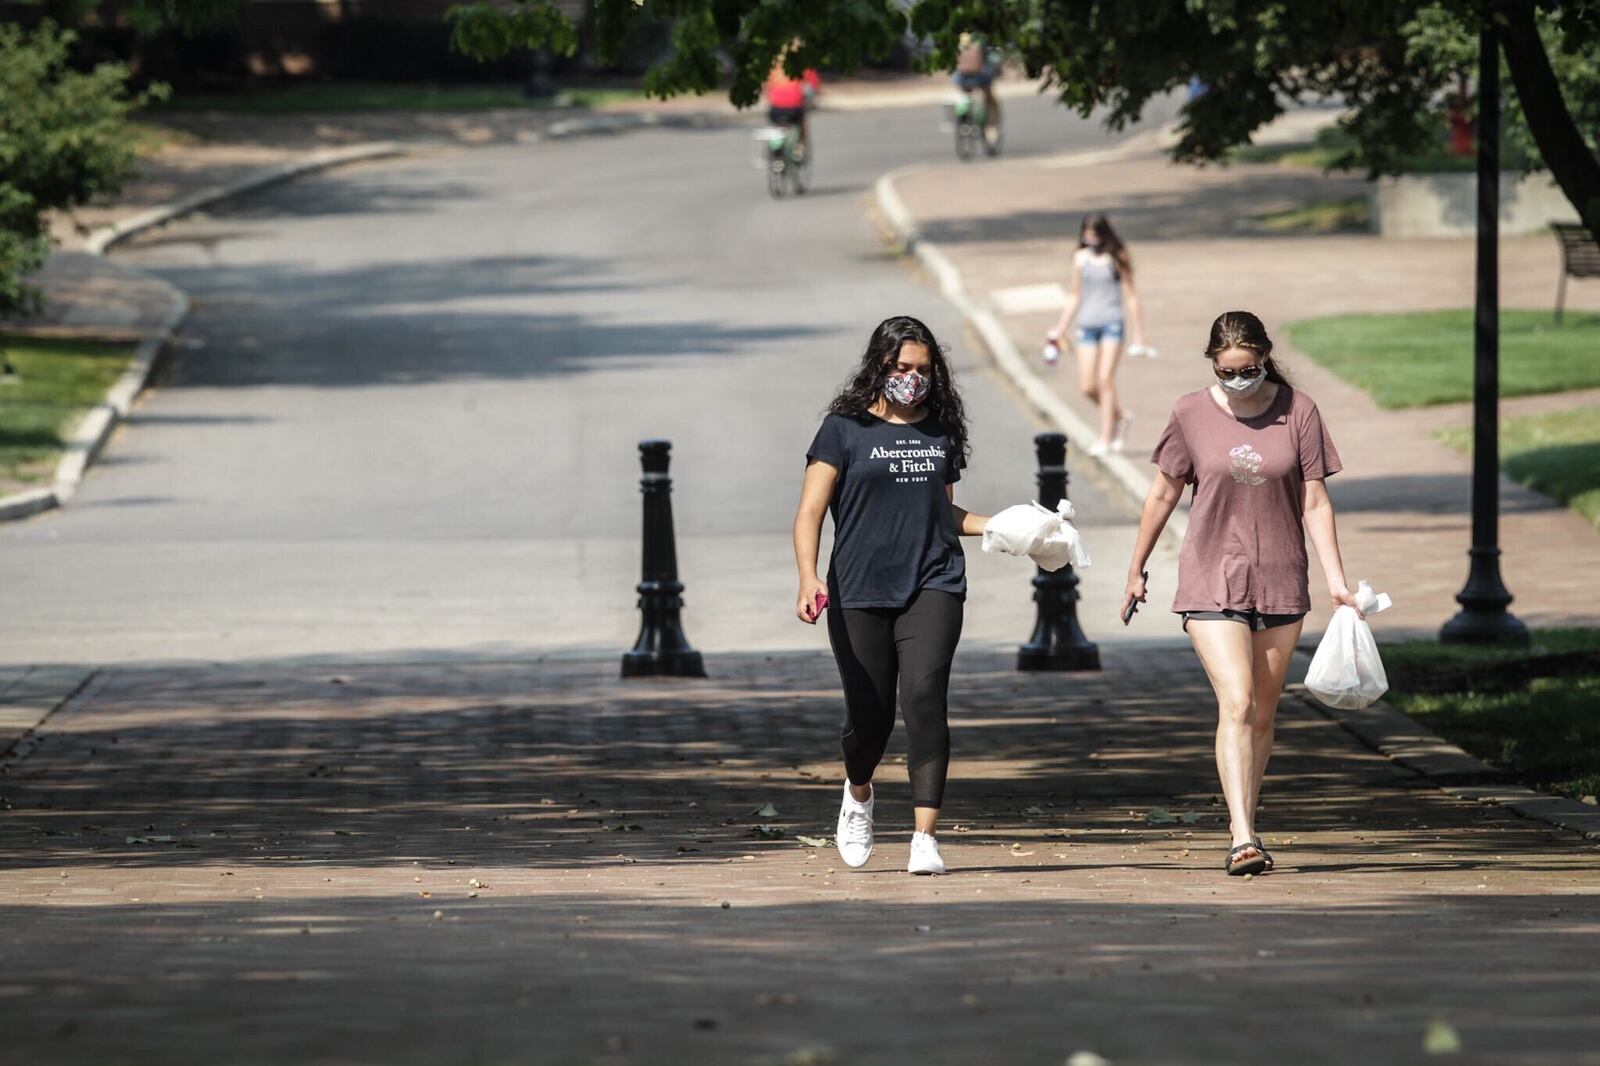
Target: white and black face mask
[{"x": 1243, "y": 387}]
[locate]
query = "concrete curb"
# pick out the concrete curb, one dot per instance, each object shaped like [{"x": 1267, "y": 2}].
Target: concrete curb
[
  {"x": 96, "y": 427},
  {"x": 1003, "y": 350},
  {"x": 102, "y": 239},
  {"x": 623, "y": 121},
  {"x": 1391, "y": 733},
  {"x": 1380, "y": 727}
]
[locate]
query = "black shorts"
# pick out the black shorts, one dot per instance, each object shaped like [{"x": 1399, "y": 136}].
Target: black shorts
[
  {"x": 1254, "y": 619},
  {"x": 785, "y": 116}
]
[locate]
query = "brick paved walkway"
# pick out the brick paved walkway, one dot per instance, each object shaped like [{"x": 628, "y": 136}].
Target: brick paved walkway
[
  {"x": 1404, "y": 498},
  {"x": 278, "y": 864}
]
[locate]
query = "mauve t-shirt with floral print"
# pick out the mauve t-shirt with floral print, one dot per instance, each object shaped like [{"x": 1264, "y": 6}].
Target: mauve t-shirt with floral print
[{"x": 1246, "y": 546}]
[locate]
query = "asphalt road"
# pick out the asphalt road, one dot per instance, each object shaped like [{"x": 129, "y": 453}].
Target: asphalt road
[{"x": 403, "y": 419}]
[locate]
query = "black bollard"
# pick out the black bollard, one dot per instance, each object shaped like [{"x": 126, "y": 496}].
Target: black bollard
[
  {"x": 661, "y": 650},
  {"x": 1058, "y": 642}
]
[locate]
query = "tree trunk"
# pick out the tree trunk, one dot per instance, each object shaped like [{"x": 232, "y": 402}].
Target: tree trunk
[{"x": 1571, "y": 161}]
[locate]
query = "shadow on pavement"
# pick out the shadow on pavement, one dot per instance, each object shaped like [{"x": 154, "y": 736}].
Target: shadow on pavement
[
  {"x": 424, "y": 322},
  {"x": 524, "y": 765}
]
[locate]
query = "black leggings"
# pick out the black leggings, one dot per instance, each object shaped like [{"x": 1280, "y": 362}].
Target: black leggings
[{"x": 878, "y": 646}]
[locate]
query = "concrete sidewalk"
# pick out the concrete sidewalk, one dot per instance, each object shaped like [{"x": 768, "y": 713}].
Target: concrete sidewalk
[
  {"x": 1404, "y": 498},
  {"x": 498, "y": 862}
]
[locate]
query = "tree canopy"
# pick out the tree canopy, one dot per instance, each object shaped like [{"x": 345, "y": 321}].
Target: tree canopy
[{"x": 1393, "y": 62}]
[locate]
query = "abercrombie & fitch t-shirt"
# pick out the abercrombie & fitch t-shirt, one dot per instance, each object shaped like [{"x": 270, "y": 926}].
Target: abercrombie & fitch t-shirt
[
  {"x": 1246, "y": 546},
  {"x": 893, "y": 534}
]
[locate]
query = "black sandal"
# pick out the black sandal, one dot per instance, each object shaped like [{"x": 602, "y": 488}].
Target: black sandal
[
  {"x": 1264, "y": 852},
  {"x": 1257, "y": 863}
]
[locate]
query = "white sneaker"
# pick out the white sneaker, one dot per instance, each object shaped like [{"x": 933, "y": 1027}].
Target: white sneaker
[
  {"x": 1119, "y": 438},
  {"x": 925, "y": 857},
  {"x": 1097, "y": 449},
  {"x": 853, "y": 838}
]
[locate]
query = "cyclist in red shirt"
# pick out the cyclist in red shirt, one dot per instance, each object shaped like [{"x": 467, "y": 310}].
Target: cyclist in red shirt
[{"x": 788, "y": 98}]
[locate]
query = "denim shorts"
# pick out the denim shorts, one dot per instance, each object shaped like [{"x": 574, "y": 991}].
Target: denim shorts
[
  {"x": 1254, "y": 619},
  {"x": 1111, "y": 331},
  {"x": 968, "y": 82}
]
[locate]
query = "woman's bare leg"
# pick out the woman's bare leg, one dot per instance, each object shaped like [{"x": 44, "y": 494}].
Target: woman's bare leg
[
  {"x": 1270, "y": 653},
  {"x": 1106, "y": 384},
  {"x": 1089, "y": 372},
  {"x": 1225, "y": 652}
]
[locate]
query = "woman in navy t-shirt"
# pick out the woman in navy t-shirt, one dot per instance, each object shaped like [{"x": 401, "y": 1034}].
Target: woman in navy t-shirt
[{"x": 884, "y": 464}]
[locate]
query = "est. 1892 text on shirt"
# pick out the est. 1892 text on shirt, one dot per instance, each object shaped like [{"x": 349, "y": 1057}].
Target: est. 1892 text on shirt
[{"x": 893, "y": 533}]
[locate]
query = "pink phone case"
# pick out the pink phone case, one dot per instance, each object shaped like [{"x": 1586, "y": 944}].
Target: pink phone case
[{"x": 822, "y": 605}]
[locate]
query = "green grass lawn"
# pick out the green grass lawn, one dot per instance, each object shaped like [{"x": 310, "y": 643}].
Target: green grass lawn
[
  {"x": 381, "y": 96},
  {"x": 1424, "y": 358},
  {"x": 1557, "y": 454},
  {"x": 57, "y": 382},
  {"x": 1348, "y": 215},
  {"x": 1534, "y": 712},
  {"x": 1331, "y": 144}
]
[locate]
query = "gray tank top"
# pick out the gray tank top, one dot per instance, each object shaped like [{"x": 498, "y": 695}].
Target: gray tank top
[{"x": 1100, "y": 294}]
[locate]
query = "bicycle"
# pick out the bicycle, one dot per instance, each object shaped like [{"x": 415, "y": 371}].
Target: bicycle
[
  {"x": 788, "y": 169},
  {"x": 970, "y": 118}
]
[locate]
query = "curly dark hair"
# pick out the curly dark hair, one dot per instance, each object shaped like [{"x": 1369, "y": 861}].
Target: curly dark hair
[{"x": 865, "y": 386}]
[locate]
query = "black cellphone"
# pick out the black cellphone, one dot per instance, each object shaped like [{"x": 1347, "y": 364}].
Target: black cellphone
[{"x": 1133, "y": 605}]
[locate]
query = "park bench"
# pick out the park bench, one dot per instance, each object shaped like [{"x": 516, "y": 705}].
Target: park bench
[{"x": 1580, "y": 258}]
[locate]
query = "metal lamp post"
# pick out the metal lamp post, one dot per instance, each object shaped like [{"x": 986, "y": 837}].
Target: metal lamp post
[
  {"x": 1483, "y": 618},
  {"x": 1058, "y": 642},
  {"x": 662, "y": 649}
]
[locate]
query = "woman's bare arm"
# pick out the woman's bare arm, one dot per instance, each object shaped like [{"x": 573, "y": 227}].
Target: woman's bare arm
[
  {"x": 1320, "y": 524},
  {"x": 1165, "y": 492},
  {"x": 1130, "y": 308},
  {"x": 967, "y": 523},
  {"x": 1072, "y": 298},
  {"x": 815, "y": 492}
]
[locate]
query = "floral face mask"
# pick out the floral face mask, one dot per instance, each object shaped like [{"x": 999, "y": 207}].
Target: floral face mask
[{"x": 908, "y": 389}]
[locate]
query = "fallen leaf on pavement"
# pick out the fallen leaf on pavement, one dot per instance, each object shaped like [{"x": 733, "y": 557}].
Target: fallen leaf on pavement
[
  {"x": 1441, "y": 1038},
  {"x": 814, "y": 842},
  {"x": 776, "y": 999}
]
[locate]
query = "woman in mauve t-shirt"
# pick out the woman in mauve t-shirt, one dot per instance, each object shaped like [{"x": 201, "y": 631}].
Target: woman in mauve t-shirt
[
  {"x": 884, "y": 463},
  {"x": 1257, "y": 454}
]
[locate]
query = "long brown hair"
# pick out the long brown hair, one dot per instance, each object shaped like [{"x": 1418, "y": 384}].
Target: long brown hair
[
  {"x": 1241, "y": 329},
  {"x": 1110, "y": 243}
]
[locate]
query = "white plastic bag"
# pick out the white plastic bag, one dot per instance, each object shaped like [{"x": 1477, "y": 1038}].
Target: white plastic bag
[
  {"x": 1063, "y": 544},
  {"x": 1346, "y": 671},
  {"x": 1047, "y": 537}
]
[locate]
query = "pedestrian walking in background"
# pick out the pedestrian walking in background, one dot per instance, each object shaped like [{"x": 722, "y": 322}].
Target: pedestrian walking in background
[
  {"x": 1257, "y": 454},
  {"x": 1106, "y": 306},
  {"x": 884, "y": 464}
]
